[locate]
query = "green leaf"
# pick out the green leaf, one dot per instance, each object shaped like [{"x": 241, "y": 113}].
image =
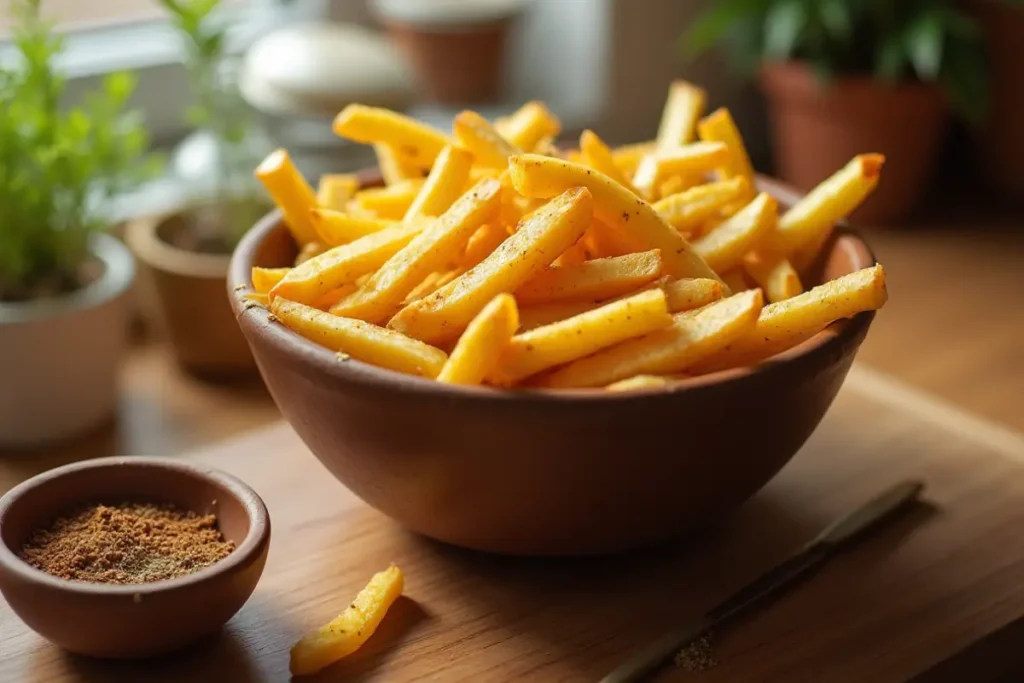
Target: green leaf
[
  {"x": 924, "y": 42},
  {"x": 835, "y": 16},
  {"x": 890, "y": 60},
  {"x": 715, "y": 22},
  {"x": 782, "y": 28}
]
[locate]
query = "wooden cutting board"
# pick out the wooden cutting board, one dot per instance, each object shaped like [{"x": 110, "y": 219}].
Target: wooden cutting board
[{"x": 923, "y": 588}]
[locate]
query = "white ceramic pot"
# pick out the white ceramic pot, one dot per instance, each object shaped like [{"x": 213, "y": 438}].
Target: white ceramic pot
[{"x": 59, "y": 358}]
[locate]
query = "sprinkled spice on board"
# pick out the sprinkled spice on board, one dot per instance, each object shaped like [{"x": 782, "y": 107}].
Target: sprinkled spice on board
[
  {"x": 128, "y": 543},
  {"x": 697, "y": 655}
]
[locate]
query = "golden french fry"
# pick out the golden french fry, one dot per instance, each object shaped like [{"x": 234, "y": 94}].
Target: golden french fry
[
  {"x": 804, "y": 257},
  {"x": 532, "y": 317},
  {"x": 395, "y": 168},
  {"x": 628, "y": 157},
  {"x": 562, "y": 342},
  {"x": 678, "y": 183},
  {"x": 309, "y": 282},
  {"x": 689, "y": 210},
  {"x": 260, "y": 298},
  {"x": 335, "y": 189},
  {"x": 444, "y": 185},
  {"x": 736, "y": 279},
  {"x": 476, "y": 354},
  {"x": 592, "y": 280},
  {"x": 360, "y": 340},
  {"x": 309, "y": 251},
  {"x": 774, "y": 274},
  {"x": 414, "y": 140},
  {"x": 428, "y": 285},
  {"x": 347, "y": 632},
  {"x": 693, "y": 160},
  {"x": 334, "y": 228},
  {"x": 724, "y": 247},
  {"x": 638, "y": 382},
  {"x": 335, "y": 295},
  {"x": 390, "y": 202},
  {"x": 787, "y": 323},
  {"x": 689, "y": 293},
  {"x": 831, "y": 201},
  {"x": 264, "y": 279},
  {"x": 435, "y": 248},
  {"x": 531, "y": 124},
  {"x": 482, "y": 243},
  {"x": 602, "y": 241},
  {"x": 290, "y": 192},
  {"x": 598, "y": 156},
  {"x": 548, "y": 147},
  {"x": 540, "y": 238},
  {"x": 475, "y": 133},
  {"x": 693, "y": 336},
  {"x": 537, "y": 176},
  {"x": 719, "y": 127},
  {"x": 573, "y": 256},
  {"x": 683, "y": 108}
]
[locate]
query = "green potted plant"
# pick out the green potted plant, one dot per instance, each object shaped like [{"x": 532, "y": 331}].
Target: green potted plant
[
  {"x": 848, "y": 76},
  {"x": 184, "y": 255},
  {"x": 64, "y": 282}
]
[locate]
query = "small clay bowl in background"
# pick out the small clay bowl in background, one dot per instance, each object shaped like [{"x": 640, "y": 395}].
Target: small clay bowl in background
[{"x": 130, "y": 621}]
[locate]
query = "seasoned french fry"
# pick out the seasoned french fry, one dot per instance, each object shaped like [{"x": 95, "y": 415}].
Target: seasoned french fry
[
  {"x": 592, "y": 280},
  {"x": 723, "y": 248},
  {"x": 309, "y": 250},
  {"x": 475, "y": 133},
  {"x": 804, "y": 257},
  {"x": 391, "y": 202},
  {"x": 476, "y": 354},
  {"x": 264, "y": 279},
  {"x": 444, "y": 185},
  {"x": 638, "y": 382},
  {"x": 260, "y": 298},
  {"x": 678, "y": 183},
  {"x": 334, "y": 228},
  {"x": 434, "y": 248},
  {"x": 719, "y": 126},
  {"x": 395, "y": 168},
  {"x": 290, "y": 192},
  {"x": 412, "y": 139},
  {"x": 573, "y": 256},
  {"x": 598, "y": 156},
  {"x": 692, "y": 160},
  {"x": 628, "y": 157},
  {"x": 529, "y": 126},
  {"x": 531, "y": 317},
  {"x": 774, "y": 274},
  {"x": 335, "y": 295},
  {"x": 688, "y": 211},
  {"x": 737, "y": 279},
  {"x": 428, "y": 285},
  {"x": 360, "y": 340},
  {"x": 347, "y": 632},
  {"x": 562, "y": 342},
  {"x": 335, "y": 189},
  {"x": 537, "y": 176},
  {"x": 787, "y": 323},
  {"x": 602, "y": 241},
  {"x": 683, "y": 108},
  {"x": 693, "y": 336},
  {"x": 341, "y": 265},
  {"x": 689, "y": 293},
  {"x": 548, "y": 147},
  {"x": 831, "y": 201},
  {"x": 482, "y": 243},
  {"x": 540, "y": 238}
]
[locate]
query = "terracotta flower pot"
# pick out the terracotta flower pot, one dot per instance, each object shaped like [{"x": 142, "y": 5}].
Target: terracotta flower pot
[
  {"x": 188, "y": 290},
  {"x": 816, "y": 128},
  {"x": 59, "y": 358}
]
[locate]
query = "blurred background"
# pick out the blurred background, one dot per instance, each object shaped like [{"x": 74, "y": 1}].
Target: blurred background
[{"x": 933, "y": 84}]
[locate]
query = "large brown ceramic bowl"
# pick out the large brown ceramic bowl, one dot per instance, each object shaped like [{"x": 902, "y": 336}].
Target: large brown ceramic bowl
[{"x": 543, "y": 472}]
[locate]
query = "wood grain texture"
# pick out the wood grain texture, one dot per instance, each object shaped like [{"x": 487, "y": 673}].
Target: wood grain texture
[{"x": 928, "y": 585}]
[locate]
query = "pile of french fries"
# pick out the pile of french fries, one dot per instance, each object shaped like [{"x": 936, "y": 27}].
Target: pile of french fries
[{"x": 490, "y": 256}]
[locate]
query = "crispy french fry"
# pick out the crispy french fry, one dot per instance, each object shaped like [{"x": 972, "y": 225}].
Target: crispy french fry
[
  {"x": 428, "y": 285},
  {"x": 548, "y": 147},
  {"x": 689, "y": 293},
  {"x": 592, "y": 280},
  {"x": 309, "y": 282},
  {"x": 444, "y": 185},
  {"x": 475, "y": 134},
  {"x": 831, "y": 201},
  {"x": 638, "y": 382},
  {"x": 693, "y": 160},
  {"x": 335, "y": 189},
  {"x": 335, "y": 295},
  {"x": 264, "y": 279},
  {"x": 787, "y": 323},
  {"x": 309, "y": 251},
  {"x": 803, "y": 258},
  {"x": 390, "y": 202},
  {"x": 678, "y": 183},
  {"x": 573, "y": 256},
  {"x": 683, "y": 108},
  {"x": 719, "y": 126},
  {"x": 347, "y": 632},
  {"x": 628, "y": 157},
  {"x": 598, "y": 156},
  {"x": 540, "y": 238},
  {"x": 360, "y": 340},
  {"x": 476, "y": 354},
  {"x": 737, "y": 279},
  {"x": 693, "y": 336},
  {"x": 562, "y": 342},
  {"x": 532, "y": 317},
  {"x": 689, "y": 210},
  {"x": 290, "y": 192},
  {"x": 774, "y": 274},
  {"x": 482, "y": 243},
  {"x": 529, "y": 126},
  {"x": 395, "y": 168},
  {"x": 260, "y": 298},
  {"x": 537, "y": 176},
  {"x": 602, "y": 241},
  {"x": 414, "y": 140},
  {"x": 434, "y": 248},
  {"x": 334, "y": 228},
  {"x": 723, "y": 248}
]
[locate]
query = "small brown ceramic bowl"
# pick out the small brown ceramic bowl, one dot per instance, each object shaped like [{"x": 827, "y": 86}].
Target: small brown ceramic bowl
[
  {"x": 548, "y": 472},
  {"x": 131, "y": 621}
]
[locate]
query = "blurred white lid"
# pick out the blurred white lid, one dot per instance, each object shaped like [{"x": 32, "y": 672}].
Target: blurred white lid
[
  {"x": 316, "y": 69},
  {"x": 447, "y": 13}
]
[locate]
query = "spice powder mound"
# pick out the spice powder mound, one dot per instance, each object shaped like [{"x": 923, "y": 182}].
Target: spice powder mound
[{"x": 128, "y": 543}]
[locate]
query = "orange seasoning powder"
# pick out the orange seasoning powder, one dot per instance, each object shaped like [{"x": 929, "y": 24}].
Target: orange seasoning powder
[{"x": 128, "y": 543}]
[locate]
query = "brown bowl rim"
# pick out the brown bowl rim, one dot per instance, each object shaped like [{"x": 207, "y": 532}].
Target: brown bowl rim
[
  {"x": 245, "y": 553},
  {"x": 255, "y": 320}
]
